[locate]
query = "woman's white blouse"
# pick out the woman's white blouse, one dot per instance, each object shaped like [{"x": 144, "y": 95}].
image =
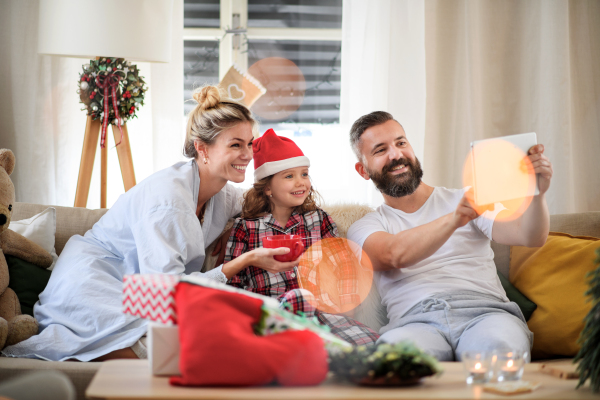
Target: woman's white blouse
[{"x": 153, "y": 228}]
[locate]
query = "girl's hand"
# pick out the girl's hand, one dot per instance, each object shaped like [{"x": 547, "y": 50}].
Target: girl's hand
[{"x": 263, "y": 258}]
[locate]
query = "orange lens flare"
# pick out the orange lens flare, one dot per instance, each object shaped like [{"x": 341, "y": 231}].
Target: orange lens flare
[
  {"x": 500, "y": 173},
  {"x": 331, "y": 272}
]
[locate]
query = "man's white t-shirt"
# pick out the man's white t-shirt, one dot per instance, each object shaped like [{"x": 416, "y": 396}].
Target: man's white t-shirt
[{"x": 464, "y": 263}]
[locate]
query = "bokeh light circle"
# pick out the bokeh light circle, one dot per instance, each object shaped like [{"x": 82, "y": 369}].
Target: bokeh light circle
[
  {"x": 330, "y": 270},
  {"x": 505, "y": 175},
  {"x": 285, "y": 86}
]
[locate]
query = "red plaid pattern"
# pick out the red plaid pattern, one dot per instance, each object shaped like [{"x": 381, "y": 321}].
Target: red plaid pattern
[
  {"x": 343, "y": 327},
  {"x": 247, "y": 235}
]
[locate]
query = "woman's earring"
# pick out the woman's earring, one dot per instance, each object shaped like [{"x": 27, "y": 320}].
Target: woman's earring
[
  {"x": 270, "y": 195},
  {"x": 205, "y": 160}
]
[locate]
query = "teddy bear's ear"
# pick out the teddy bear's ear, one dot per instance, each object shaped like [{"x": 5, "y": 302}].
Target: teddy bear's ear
[{"x": 7, "y": 160}]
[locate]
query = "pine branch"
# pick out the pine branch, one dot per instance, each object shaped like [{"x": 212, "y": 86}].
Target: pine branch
[{"x": 589, "y": 353}]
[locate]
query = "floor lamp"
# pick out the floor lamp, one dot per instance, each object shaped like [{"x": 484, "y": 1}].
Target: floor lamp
[{"x": 137, "y": 30}]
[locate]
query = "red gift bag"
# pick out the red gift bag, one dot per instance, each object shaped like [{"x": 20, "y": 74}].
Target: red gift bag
[{"x": 218, "y": 346}]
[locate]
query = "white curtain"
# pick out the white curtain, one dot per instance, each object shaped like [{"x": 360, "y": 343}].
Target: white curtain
[
  {"x": 42, "y": 123},
  {"x": 383, "y": 69},
  {"x": 493, "y": 68}
]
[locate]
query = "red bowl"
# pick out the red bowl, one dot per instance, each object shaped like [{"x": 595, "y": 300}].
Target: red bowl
[{"x": 292, "y": 242}]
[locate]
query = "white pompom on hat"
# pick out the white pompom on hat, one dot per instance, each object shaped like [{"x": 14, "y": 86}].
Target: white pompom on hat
[{"x": 273, "y": 154}]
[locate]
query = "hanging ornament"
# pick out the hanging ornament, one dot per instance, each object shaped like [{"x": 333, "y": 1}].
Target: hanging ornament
[{"x": 103, "y": 90}]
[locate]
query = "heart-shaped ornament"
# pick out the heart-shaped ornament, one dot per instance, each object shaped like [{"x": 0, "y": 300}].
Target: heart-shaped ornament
[{"x": 235, "y": 93}]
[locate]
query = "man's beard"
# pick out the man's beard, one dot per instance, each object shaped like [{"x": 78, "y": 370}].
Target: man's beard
[{"x": 398, "y": 185}]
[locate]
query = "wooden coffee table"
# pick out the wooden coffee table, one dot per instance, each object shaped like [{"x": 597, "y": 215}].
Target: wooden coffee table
[{"x": 131, "y": 379}]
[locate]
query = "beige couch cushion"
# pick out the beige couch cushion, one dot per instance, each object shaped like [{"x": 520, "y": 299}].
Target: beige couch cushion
[{"x": 69, "y": 220}]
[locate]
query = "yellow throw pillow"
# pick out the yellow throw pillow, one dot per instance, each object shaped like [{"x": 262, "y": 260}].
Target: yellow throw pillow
[{"x": 554, "y": 277}]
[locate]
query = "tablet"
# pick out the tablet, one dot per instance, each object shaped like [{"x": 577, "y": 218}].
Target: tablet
[{"x": 497, "y": 171}]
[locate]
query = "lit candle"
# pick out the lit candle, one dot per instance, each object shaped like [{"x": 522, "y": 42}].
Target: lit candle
[
  {"x": 510, "y": 366},
  {"x": 477, "y": 367},
  {"x": 511, "y": 370},
  {"x": 478, "y": 372}
]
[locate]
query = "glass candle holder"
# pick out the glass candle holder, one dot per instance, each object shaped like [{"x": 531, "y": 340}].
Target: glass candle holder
[
  {"x": 478, "y": 367},
  {"x": 509, "y": 365}
]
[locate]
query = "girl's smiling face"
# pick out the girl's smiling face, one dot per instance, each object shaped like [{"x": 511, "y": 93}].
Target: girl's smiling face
[{"x": 289, "y": 188}]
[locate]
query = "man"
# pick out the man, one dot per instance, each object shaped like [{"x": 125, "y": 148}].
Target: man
[{"x": 431, "y": 249}]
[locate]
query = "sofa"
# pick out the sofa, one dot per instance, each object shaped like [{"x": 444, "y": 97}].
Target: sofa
[{"x": 71, "y": 221}]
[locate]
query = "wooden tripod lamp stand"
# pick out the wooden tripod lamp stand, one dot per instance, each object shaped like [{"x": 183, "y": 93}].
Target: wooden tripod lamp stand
[
  {"x": 88, "y": 154},
  {"x": 111, "y": 32}
]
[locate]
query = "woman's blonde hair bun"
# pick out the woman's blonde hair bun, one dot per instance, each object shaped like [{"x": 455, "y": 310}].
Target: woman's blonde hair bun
[{"x": 207, "y": 97}]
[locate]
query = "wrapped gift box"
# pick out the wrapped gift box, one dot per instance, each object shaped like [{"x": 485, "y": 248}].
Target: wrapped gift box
[
  {"x": 150, "y": 297},
  {"x": 163, "y": 349}
]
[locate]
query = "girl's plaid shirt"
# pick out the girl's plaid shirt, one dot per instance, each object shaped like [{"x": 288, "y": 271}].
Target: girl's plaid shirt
[{"x": 247, "y": 235}]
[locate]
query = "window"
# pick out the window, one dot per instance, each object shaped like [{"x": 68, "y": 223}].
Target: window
[{"x": 307, "y": 32}]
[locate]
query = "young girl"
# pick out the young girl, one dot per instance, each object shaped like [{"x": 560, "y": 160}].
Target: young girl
[{"x": 282, "y": 202}]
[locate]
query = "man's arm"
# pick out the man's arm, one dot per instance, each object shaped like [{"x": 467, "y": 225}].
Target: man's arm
[
  {"x": 406, "y": 248},
  {"x": 532, "y": 226}
]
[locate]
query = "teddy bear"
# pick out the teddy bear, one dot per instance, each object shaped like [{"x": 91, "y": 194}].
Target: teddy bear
[{"x": 14, "y": 327}]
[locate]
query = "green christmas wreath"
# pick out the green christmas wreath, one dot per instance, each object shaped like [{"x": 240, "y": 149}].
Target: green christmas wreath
[{"x": 113, "y": 73}]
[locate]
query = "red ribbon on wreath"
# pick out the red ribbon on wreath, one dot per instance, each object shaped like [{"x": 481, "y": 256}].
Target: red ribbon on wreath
[{"x": 106, "y": 82}]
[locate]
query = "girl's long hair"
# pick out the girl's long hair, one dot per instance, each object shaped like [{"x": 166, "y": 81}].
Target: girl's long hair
[{"x": 256, "y": 202}]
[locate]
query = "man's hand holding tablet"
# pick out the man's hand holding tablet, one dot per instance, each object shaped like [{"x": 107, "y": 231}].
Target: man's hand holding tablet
[
  {"x": 508, "y": 170},
  {"x": 541, "y": 166}
]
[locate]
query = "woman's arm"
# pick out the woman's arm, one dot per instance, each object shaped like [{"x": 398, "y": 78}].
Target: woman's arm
[{"x": 166, "y": 241}]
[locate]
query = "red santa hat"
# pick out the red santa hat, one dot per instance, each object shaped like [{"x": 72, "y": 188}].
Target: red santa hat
[{"x": 273, "y": 154}]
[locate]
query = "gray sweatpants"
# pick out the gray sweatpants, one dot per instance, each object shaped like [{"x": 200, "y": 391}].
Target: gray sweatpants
[{"x": 450, "y": 323}]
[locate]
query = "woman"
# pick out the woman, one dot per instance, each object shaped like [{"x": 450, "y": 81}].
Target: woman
[{"x": 162, "y": 225}]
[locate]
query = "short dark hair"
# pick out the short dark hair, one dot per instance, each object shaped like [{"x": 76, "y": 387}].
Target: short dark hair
[{"x": 363, "y": 123}]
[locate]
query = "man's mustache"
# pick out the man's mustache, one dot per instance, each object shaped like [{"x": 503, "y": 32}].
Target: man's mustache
[{"x": 394, "y": 163}]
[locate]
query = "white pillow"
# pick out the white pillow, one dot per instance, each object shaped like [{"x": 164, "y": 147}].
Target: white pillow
[{"x": 40, "y": 229}]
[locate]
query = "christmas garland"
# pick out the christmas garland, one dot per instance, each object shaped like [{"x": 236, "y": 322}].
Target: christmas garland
[
  {"x": 383, "y": 365},
  {"x": 111, "y": 89}
]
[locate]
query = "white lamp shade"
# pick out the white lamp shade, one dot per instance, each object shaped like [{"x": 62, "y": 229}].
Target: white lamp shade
[{"x": 138, "y": 30}]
